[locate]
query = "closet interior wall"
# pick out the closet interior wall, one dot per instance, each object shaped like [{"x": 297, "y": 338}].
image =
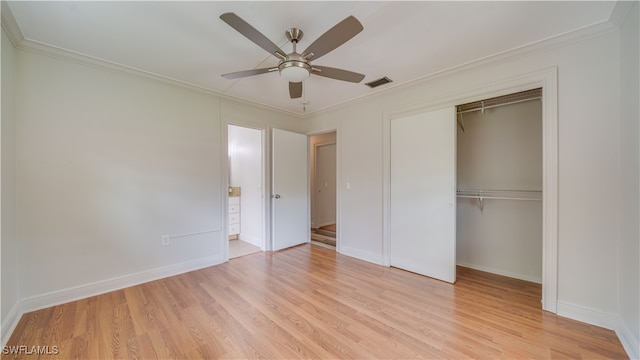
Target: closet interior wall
[{"x": 499, "y": 181}]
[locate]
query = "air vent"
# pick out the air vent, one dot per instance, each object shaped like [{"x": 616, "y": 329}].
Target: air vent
[{"x": 376, "y": 83}]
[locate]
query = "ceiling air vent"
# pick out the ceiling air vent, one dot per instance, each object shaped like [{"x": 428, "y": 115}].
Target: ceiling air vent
[{"x": 376, "y": 83}]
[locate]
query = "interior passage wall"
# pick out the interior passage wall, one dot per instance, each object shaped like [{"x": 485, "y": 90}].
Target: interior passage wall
[
  {"x": 588, "y": 123},
  {"x": 9, "y": 300},
  {"x": 629, "y": 193},
  {"x": 245, "y": 169},
  {"x": 501, "y": 149}
]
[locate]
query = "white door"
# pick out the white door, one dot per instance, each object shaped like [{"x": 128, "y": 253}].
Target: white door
[
  {"x": 325, "y": 184},
  {"x": 423, "y": 194},
  {"x": 290, "y": 196}
]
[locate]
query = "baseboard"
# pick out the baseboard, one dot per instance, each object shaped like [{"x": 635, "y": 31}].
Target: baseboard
[
  {"x": 362, "y": 255},
  {"x": 537, "y": 280},
  {"x": 253, "y": 240},
  {"x": 100, "y": 287},
  {"x": 630, "y": 344},
  {"x": 325, "y": 224},
  {"x": 10, "y": 322},
  {"x": 589, "y": 316}
]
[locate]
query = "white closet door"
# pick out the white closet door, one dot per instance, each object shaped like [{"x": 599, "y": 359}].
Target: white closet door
[
  {"x": 290, "y": 183},
  {"x": 423, "y": 194}
]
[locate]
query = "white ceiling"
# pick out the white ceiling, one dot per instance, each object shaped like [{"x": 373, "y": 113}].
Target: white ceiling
[{"x": 187, "y": 41}]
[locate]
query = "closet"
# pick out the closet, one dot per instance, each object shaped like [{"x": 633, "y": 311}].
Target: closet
[{"x": 499, "y": 185}]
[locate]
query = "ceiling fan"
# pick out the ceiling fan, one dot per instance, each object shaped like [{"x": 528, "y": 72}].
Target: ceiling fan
[{"x": 296, "y": 67}]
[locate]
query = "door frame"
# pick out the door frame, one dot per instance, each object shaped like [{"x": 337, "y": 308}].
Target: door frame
[
  {"x": 338, "y": 188},
  {"x": 548, "y": 81},
  {"x": 266, "y": 192}
]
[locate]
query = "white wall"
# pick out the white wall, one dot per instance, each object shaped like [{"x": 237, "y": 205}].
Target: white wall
[
  {"x": 245, "y": 167},
  {"x": 629, "y": 184},
  {"x": 9, "y": 300},
  {"x": 107, "y": 162},
  {"x": 501, "y": 149},
  {"x": 588, "y": 78}
]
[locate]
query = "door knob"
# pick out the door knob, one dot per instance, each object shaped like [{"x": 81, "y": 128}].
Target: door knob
[{"x": 276, "y": 196}]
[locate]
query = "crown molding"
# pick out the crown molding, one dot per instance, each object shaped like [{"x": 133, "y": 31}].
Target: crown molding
[
  {"x": 612, "y": 24},
  {"x": 9, "y": 25},
  {"x": 12, "y": 29},
  {"x": 620, "y": 13},
  {"x": 615, "y": 21},
  {"x": 82, "y": 59}
]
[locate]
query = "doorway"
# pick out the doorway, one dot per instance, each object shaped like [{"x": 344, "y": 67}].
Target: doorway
[
  {"x": 246, "y": 190},
  {"x": 323, "y": 186}
]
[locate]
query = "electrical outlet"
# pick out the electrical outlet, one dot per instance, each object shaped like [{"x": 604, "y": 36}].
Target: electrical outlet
[{"x": 166, "y": 240}]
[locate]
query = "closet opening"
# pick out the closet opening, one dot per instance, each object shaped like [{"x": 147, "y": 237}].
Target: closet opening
[
  {"x": 323, "y": 189},
  {"x": 499, "y": 213}
]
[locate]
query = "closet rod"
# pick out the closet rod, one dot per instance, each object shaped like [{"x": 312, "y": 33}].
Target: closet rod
[
  {"x": 496, "y": 105},
  {"x": 496, "y": 197}
]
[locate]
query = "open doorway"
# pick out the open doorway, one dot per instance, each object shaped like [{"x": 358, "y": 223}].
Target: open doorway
[
  {"x": 246, "y": 191},
  {"x": 323, "y": 171}
]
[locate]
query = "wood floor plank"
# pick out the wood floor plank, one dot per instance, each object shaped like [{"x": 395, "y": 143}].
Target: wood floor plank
[{"x": 310, "y": 302}]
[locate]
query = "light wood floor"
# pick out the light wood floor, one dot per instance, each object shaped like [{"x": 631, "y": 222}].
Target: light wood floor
[{"x": 310, "y": 302}]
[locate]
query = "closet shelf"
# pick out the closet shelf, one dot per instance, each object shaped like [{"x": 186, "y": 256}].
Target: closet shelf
[{"x": 500, "y": 194}]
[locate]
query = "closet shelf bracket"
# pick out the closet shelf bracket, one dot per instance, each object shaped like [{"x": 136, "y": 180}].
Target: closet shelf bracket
[{"x": 461, "y": 122}]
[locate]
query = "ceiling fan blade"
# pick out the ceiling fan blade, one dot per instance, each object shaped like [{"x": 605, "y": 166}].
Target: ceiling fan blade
[
  {"x": 252, "y": 34},
  {"x": 295, "y": 90},
  {"x": 338, "y": 74},
  {"x": 245, "y": 73},
  {"x": 334, "y": 37}
]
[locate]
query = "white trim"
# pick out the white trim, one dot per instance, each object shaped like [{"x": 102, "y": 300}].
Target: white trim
[
  {"x": 10, "y": 25},
  {"x": 100, "y": 287},
  {"x": 630, "y": 344},
  {"x": 362, "y": 255},
  {"x": 10, "y": 322},
  {"x": 338, "y": 182},
  {"x": 535, "y": 279},
  {"x": 586, "y": 315},
  {"x": 612, "y": 24},
  {"x": 325, "y": 224},
  {"x": 554, "y": 41},
  {"x": 312, "y": 183},
  {"x": 548, "y": 80},
  {"x": 230, "y": 119},
  {"x": 253, "y": 240}
]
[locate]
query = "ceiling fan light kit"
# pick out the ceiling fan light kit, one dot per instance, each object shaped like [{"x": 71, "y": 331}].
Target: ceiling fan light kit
[
  {"x": 294, "y": 71},
  {"x": 295, "y": 67}
]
